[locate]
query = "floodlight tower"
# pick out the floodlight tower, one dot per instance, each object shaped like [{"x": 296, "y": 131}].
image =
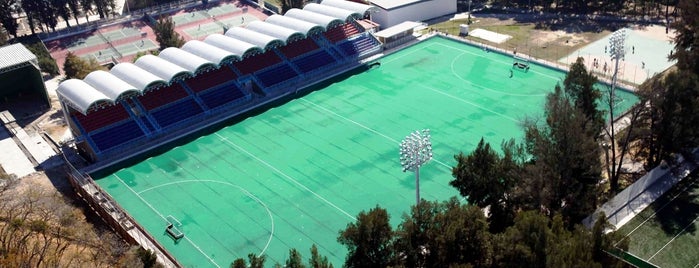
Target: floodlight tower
[
  {"x": 415, "y": 151},
  {"x": 617, "y": 52}
]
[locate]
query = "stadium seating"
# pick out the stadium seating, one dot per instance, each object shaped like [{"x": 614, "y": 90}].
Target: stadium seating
[
  {"x": 314, "y": 61},
  {"x": 177, "y": 112},
  {"x": 298, "y": 48},
  {"x": 357, "y": 46},
  {"x": 101, "y": 117},
  {"x": 257, "y": 62},
  {"x": 341, "y": 32},
  {"x": 159, "y": 97},
  {"x": 276, "y": 74},
  {"x": 211, "y": 79},
  {"x": 222, "y": 95},
  {"x": 116, "y": 135}
]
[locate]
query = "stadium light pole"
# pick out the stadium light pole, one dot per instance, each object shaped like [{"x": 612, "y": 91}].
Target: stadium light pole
[
  {"x": 617, "y": 52},
  {"x": 415, "y": 151}
]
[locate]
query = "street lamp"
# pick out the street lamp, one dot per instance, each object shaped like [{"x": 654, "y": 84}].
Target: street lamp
[{"x": 416, "y": 150}]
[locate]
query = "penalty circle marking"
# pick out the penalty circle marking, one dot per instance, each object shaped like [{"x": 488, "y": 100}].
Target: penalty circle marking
[{"x": 243, "y": 190}]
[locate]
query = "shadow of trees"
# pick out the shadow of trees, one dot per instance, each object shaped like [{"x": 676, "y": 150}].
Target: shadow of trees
[{"x": 678, "y": 208}]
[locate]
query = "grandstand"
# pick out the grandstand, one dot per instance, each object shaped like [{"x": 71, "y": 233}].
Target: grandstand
[{"x": 141, "y": 105}]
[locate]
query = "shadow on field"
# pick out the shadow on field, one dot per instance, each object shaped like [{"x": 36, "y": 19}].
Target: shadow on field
[{"x": 681, "y": 212}]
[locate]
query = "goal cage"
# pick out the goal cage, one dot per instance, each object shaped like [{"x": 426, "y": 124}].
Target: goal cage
[{"x": 520, "y": 63}]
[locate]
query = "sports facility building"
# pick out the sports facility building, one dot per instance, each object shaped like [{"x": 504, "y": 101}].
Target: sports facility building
[
  {"x": 392, "y": 12},
  {"x": 20, "y": 77},
  {"x": 138, "y": 106}
]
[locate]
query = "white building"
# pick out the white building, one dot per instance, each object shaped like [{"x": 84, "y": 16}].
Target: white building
[{"x": 393, "y": 12}]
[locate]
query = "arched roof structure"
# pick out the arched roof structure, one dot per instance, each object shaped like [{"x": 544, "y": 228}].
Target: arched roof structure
[
  {"x": 210, "y": 52},
  {"x": 162, "y": 68},
  {"x": 110, "y": 85},
  {"x": 280, "y": 32},
  {"x": 343, "y": 14},
  {"x": 264, "y": 41},
  {"x": 313, "y": 17},
  {"x": 302, "y": 26},
  {"x": 349, "y": 5},
  {"x": 79, "y": 95},
  {"x": 189, "y": 61},
  {"x": 136, "y": 76},
  {"x": 240, "y": 48}
]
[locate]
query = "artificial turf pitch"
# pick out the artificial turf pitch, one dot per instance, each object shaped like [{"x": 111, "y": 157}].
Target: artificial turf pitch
[{"x": 298, "y": 173}]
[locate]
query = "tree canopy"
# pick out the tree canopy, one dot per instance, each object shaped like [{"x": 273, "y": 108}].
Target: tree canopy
[
  {"x": 75, "y": 67},
  {"x": 165, "y": 33}
]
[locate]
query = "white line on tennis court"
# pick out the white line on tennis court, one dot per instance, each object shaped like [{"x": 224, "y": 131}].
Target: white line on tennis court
[
  {"x": 365, "y": 127},
  {"x": 165, "y": 219},
  {"x": 245, "y": 191},
  {"x": 270, "y": 166},
  {"x": 675, "y": 237},
  {"x": 656, "y": 212},
  {"x": 470, "y": 103}
]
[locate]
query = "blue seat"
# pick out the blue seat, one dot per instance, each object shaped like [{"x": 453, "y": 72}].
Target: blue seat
[
  {"x": 116, "y": 135},
  {"x": 176, "y": 112}
]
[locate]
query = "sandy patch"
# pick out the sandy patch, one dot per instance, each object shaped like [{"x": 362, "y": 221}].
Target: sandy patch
[{"x": 559, "y": 37}]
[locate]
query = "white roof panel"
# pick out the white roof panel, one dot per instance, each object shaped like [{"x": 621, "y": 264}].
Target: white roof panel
[
  {"x": 280, "y": 32},
  {"x": 295, "y": 24},
  {"x": 210, "y": 52},
  {"x": 392, "y": 4},
  {"x": 349, "y": 5},
  {"x": 80, "y": 95},
  {"x": 313, "y": 17},
  {"x": 189, "y": 61},
  {"x": 162, "y": 68},
  {"x": 250, "y": 36},
  {"x": 109, "y": 85},
  {"x": 394, "y": 30},
  {"x": 240, "y": 48},
  {"x": 136, "y": 76},
  {"x": 16, "y": 54},
  {"x": 331, "y": 11}
]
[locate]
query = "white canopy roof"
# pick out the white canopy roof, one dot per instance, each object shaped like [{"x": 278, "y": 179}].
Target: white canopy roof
[
  {"x": 349, "y": 5},
  {"x": 280, "y": 32},
  {"x": 240, "y": 48},
  {"x": 80, "y": 95},
  {"x": 210, "y": 52},
  {"x": 164, "y": 69},
  {"x": 334, "y": 12},
  {"x": 302, "y": 26},
  {"x": 136, "y": 76},
  {"x": 189, "y": 61},
  {"x": 259, "y": 39},
  {"x": 313, "y": 17},
  {"x": 15, "y": 55},
  {"x": 110, "y": 85}
]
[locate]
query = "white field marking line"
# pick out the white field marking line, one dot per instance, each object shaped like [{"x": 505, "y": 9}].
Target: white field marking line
[
  {"x": 675, "y": 237},
  {"x": 365, "y": 127},
  {"x": 270, "y": 166},
  {"x": 453, "y": 71},
  {"x": 656, "y": 212},
  {"x": 470, "y": 103},
  {"x": 170, "y": 217},
  {"x": 165, "y": 219},
  {"x": 409, "y": 53},
  {"x": 499, "y": 61},
  {"x": 695, "y": 266},
  {"x": 245, "y": 191}
]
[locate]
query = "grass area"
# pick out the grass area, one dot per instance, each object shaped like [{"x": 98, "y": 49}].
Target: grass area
[
  {"x": 665, "y": 233},
  {"x": 527, "y": 38}
]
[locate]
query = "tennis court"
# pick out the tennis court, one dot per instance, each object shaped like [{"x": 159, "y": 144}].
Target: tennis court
[
  {"x": 298, "y": 173},
  {"x": 665, "y": 233},
  {"x": 203, "y": 30}
]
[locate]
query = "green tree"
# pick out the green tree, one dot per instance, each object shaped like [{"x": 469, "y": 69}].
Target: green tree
[
  {"x": 486, "y": 180},
  {"x": 444, "y": 235},
  {"x": 318, "y": 261},
  {"x": 165, "y": 33},
  {"x": 8, "y": 21},
  {"x": 580, "y": 86},
  {"x": 289, "y": 4},
  {"x": 239, "y": 263},
  {"x": 62, "y": 10},
  {"x": 565, "y": 165},
  {"x": 295, "y": 260},
  {"x": 75, "y": 67},
  {"x": 31, "y": 9},
  {"x": 87, "y": 7},
  {"x": 369, "y": 240}
]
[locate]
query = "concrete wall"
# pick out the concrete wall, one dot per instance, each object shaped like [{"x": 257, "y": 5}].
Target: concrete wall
[{"x": 420, "y": 11}]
